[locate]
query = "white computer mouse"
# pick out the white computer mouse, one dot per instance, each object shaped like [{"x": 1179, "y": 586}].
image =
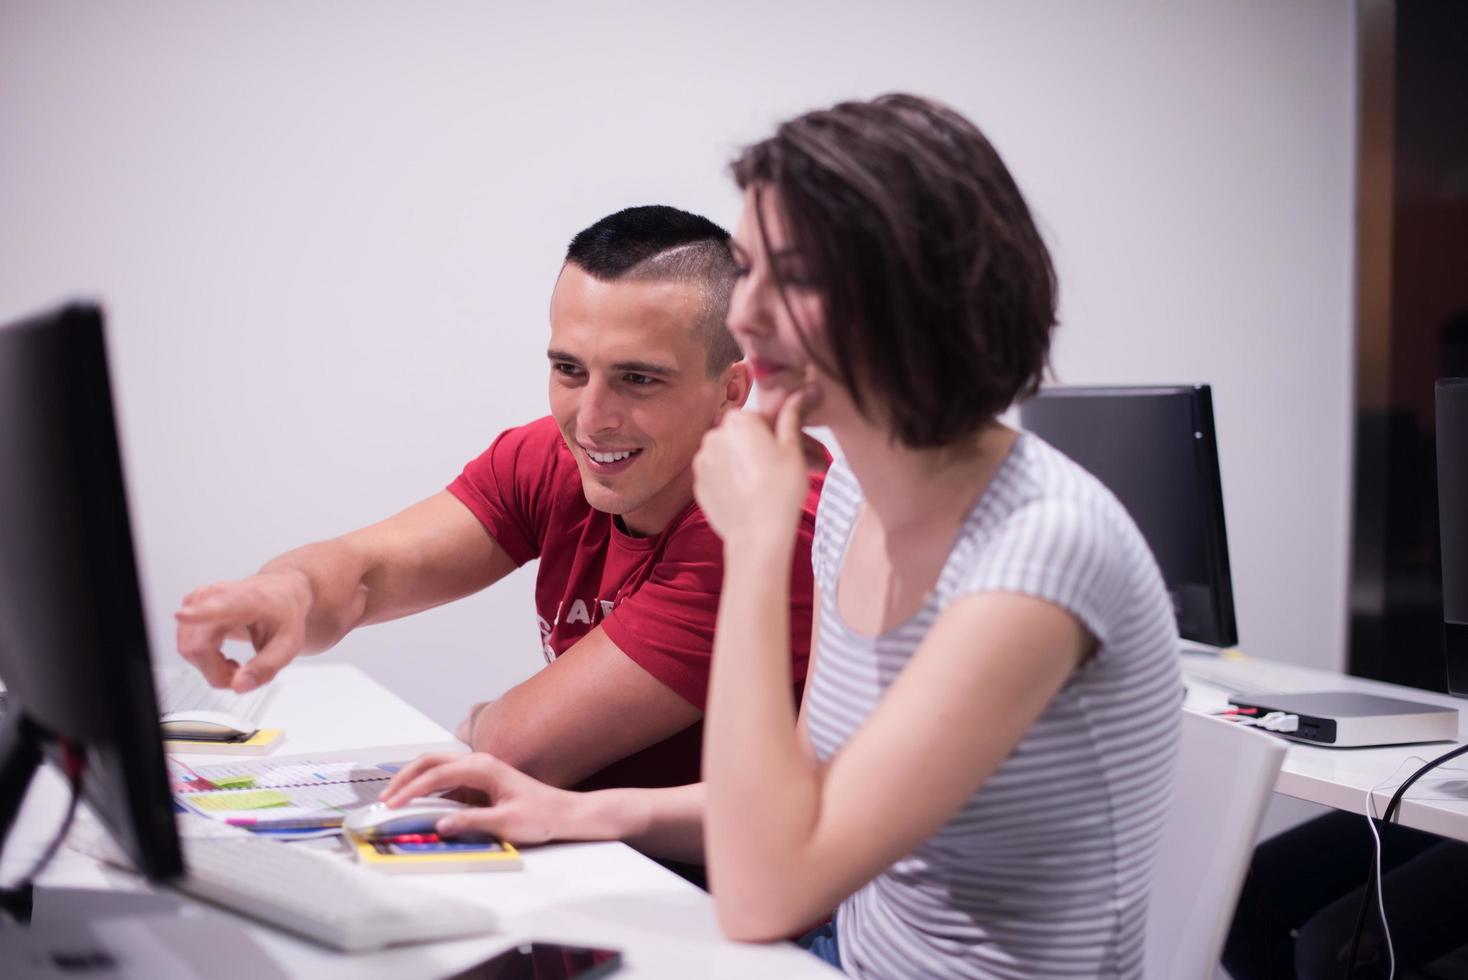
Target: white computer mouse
[
  {"x": 417, "y": 816},
  {"x": 205, "y": 724}
]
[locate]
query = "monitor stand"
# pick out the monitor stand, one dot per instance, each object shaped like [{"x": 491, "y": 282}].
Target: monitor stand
[{"x": 112, "y": 936}]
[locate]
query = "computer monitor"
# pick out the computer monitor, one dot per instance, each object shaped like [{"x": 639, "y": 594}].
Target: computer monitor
[
  {"x": 1155, "y": 449},
  {"x": 73, "y": 647},
  {"x": 1452, "y": 511}
]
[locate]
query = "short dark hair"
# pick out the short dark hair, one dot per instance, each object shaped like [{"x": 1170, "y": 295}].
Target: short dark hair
[
  {"x": 662, "y": 243},
  {"x": 939, "y": 293}
]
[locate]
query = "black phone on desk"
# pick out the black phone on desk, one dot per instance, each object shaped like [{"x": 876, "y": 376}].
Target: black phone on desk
[{"x": 545, "y": 961}]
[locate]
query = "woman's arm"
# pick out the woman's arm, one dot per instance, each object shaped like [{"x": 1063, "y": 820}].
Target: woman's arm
[
  {"x": 667, "y": 822},
  {"x": 802, "y": 733},
  {"x": 986, "y": 671}
]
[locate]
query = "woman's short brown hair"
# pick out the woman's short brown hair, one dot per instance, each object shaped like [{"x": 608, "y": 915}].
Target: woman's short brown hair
[{"x": 939, "y": 293}]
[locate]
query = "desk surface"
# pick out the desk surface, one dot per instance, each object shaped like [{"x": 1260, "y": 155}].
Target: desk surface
[
  {"x": 598, "y": 894},
  {"x": 1340, "y": 778}
]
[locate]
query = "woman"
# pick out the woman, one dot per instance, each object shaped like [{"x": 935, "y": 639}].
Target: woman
[{"x": 979, "y": 772}]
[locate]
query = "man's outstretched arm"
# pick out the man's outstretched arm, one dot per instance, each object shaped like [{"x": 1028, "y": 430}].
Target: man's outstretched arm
[{"x": 306, "y": 600}]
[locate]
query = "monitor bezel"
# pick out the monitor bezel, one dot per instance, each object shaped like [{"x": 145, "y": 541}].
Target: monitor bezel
[{"x": 125, "y": 778}]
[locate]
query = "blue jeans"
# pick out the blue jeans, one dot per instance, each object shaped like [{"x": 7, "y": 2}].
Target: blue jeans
[{"x": 821, "y": 942}]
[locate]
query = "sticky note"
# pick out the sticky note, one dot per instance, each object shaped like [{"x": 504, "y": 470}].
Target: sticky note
[
  {"x": 234, "y": 782},
  {"x": 259, "y": 799}
]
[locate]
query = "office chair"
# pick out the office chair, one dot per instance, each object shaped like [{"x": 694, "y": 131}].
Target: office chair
[{"x": 1225, "y": 774}]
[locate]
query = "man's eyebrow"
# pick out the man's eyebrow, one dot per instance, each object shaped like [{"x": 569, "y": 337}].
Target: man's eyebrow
[
  {"x": 560, "y": 355},
  {"x": 645, "y": 367}
]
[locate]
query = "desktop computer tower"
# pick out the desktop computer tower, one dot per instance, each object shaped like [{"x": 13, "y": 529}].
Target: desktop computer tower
[{"x": 1452, "y": 508}]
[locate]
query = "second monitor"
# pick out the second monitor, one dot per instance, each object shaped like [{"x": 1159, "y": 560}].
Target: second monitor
[{"x": 1155, "y": 449}]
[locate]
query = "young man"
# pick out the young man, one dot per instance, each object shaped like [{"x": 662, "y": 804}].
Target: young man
[{"x": 641, "y": 366}]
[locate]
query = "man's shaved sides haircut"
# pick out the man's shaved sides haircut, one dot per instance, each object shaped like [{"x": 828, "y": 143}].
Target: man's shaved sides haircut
[{"x": 663, "y": 244}]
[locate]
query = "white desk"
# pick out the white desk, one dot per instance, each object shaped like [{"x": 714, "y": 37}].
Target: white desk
[
  {"x": 599, "y": 894},
  {"x": 1339, "y": 778}
]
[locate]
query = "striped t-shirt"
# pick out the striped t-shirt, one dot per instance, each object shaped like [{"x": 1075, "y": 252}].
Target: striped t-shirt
[{"x": 1044, "y": 871}]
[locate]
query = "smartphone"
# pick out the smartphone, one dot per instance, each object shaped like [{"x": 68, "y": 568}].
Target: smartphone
[{"x": 545, "y": 961}]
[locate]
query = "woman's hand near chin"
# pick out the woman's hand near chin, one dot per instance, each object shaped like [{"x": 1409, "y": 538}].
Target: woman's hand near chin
[{"x": 750, "y": 476}]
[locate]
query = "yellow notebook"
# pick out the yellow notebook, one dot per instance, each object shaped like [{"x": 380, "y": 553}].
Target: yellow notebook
[
  {"x": 263, "y": 742},
  {"x": 436, "y": 856}
]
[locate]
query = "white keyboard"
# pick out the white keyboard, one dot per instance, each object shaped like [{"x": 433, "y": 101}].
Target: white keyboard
[
  {"x": 322, "y": 897},
  {"x": 182, "y": 688}
]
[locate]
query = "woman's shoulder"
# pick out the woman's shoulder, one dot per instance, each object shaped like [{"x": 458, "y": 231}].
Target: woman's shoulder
[
  {"x": 1040, "y": 485},
  {"x": 1050, "y": 529},
  {"x": 1045, "y": 516}
]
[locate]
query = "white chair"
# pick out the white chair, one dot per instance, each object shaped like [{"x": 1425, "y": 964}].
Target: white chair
[{"x": 1224, "y": 778}]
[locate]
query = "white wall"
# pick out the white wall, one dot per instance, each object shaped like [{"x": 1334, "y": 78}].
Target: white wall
[{"x": 326, "y": 235}]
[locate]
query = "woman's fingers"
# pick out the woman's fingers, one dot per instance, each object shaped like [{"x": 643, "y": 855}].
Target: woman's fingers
[
  {"x": 410, "y": 773},
  {"x": 474, "y": 771},
  {"x": 482, "y": 820},
  {"x": 792, "y": 416}
]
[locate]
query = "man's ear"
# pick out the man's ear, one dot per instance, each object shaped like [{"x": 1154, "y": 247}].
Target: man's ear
[{"x": 737, "y": 385}]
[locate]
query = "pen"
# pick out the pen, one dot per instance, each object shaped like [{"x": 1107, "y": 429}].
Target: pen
[
  {"x": 287, "y": 823},
  {"x": 411, "y": 839}
]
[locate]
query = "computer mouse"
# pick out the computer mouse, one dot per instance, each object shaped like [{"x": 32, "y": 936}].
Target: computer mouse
[
  {"x": 418, "y": 816},
  {"x": 205, "y": 724}
]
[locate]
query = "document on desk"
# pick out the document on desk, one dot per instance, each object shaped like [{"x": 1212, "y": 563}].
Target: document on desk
[{"x": 269, "y": 795}]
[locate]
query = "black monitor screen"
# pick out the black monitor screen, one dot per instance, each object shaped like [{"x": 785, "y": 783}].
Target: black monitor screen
[
  {"x": 73, "y": 647},
  {"x": 1155, "y": 449},
  {"x": 1452, "y": 509}
]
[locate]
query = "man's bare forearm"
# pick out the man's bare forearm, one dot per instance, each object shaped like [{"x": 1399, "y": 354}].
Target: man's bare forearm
[
  {"x": 664, "y": 822},
  {"x": 433, "y": 552},
  {"x": 306, "y": 600},
  {"x": 334, "y": 574},
  {"x": 490, "y": 732}
]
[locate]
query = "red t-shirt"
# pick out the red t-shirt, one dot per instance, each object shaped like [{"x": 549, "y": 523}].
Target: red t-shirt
[{"x": 656, "y": 598}]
